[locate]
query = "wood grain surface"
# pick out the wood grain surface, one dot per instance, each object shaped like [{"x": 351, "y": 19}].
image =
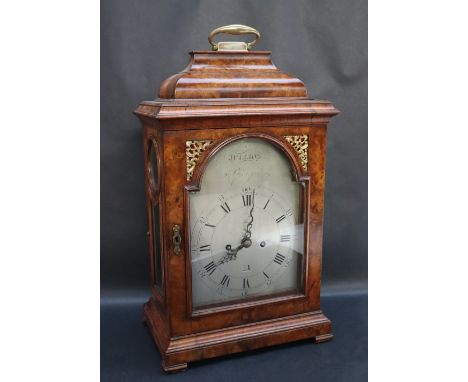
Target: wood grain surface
[{"x": 222, "y": 97}]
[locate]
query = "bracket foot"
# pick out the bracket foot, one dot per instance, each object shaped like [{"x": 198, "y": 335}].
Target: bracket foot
[
  {"x": 323, "y": 338},
  {"x": 173, "y": 368}
]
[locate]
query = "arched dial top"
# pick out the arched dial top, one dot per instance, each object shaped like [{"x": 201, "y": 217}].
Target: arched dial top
[
  {"x": 194, "y": 150},
  {"x": 246, "y": 224}
]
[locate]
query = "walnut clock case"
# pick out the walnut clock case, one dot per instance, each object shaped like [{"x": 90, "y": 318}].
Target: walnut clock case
[{"x": 235, "y": 165}]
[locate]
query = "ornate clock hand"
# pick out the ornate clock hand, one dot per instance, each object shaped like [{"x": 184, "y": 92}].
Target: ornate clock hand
[
  {"x": 230, "y": 255},
  {"x": 246, "y": 242},
  {"x": 225, "y": 259},
  {"x": 233, "y": 252},
  {"x": 248, "y": 229}
]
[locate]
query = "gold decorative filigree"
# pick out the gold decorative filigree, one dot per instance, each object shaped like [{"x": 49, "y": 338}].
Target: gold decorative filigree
[
  {"x": 300, "y": 143},
  {"x": 193, "y": 151}
]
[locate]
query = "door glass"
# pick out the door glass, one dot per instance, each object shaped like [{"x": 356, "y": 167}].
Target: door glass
[{"x": 153, "y": 168}]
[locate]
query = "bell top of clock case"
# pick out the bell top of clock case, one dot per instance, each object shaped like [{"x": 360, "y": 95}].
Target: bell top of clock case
[
  {"x": 231, "y": 80},
  {"x": 231, "y": 70},
  {"x": 231, "y": 74}
]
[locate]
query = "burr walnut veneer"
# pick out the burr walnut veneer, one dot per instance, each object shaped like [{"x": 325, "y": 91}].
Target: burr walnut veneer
[{"x": 220, "y": 98}]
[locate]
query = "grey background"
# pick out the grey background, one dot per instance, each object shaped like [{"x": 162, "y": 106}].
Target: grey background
[{"x": 323, "y": 42}]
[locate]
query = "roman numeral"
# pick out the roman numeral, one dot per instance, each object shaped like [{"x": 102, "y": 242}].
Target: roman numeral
[
  {"x": 225, "y": 281},
  {"x": 225, "y": 207},
  {"x": 246, "y": 283},
  {"x": 266, "y": 275},
  {"x": 266, "y": 204},
  {"x": 247, "y": 199},
  {"x": 210, "y": 267},
  {"x": 205, "y": 248},
  {"x": 285, "y": 238},
  {"x": 281, "y": 218},
  {"x": 210, "y": 225},
  {"x": 279, "y": 258}
]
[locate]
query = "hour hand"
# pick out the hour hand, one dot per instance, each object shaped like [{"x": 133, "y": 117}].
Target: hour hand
[
  {"x": 233, "y": 251},
  {"x": 245, "y": 243},
  {"x": 230, "y": 255}
]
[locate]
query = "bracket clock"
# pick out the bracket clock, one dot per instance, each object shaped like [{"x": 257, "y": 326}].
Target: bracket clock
[{"x": 234, "y": 156}]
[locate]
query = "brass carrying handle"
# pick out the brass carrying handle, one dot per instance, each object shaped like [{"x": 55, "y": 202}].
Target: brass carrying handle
[{"x": 234, "y": 29}]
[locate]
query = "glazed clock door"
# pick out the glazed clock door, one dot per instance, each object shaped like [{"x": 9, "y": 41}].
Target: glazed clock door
[{"x": 246, "y": 226}]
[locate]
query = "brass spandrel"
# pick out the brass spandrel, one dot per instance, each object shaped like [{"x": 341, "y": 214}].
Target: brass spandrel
[
  {"x": 193, "y": 151},
  {"x": 300, "y": 143}
]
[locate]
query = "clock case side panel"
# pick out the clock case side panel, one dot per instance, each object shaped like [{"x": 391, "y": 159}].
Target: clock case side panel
[
  {"x": 155, "y": 197},
  {"x": 316, "y": 170}
]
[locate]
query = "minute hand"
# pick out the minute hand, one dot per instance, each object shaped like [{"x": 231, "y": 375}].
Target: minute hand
[
  {"x": 248, "y": 229},
  {"x": 246, "y": 241}
]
